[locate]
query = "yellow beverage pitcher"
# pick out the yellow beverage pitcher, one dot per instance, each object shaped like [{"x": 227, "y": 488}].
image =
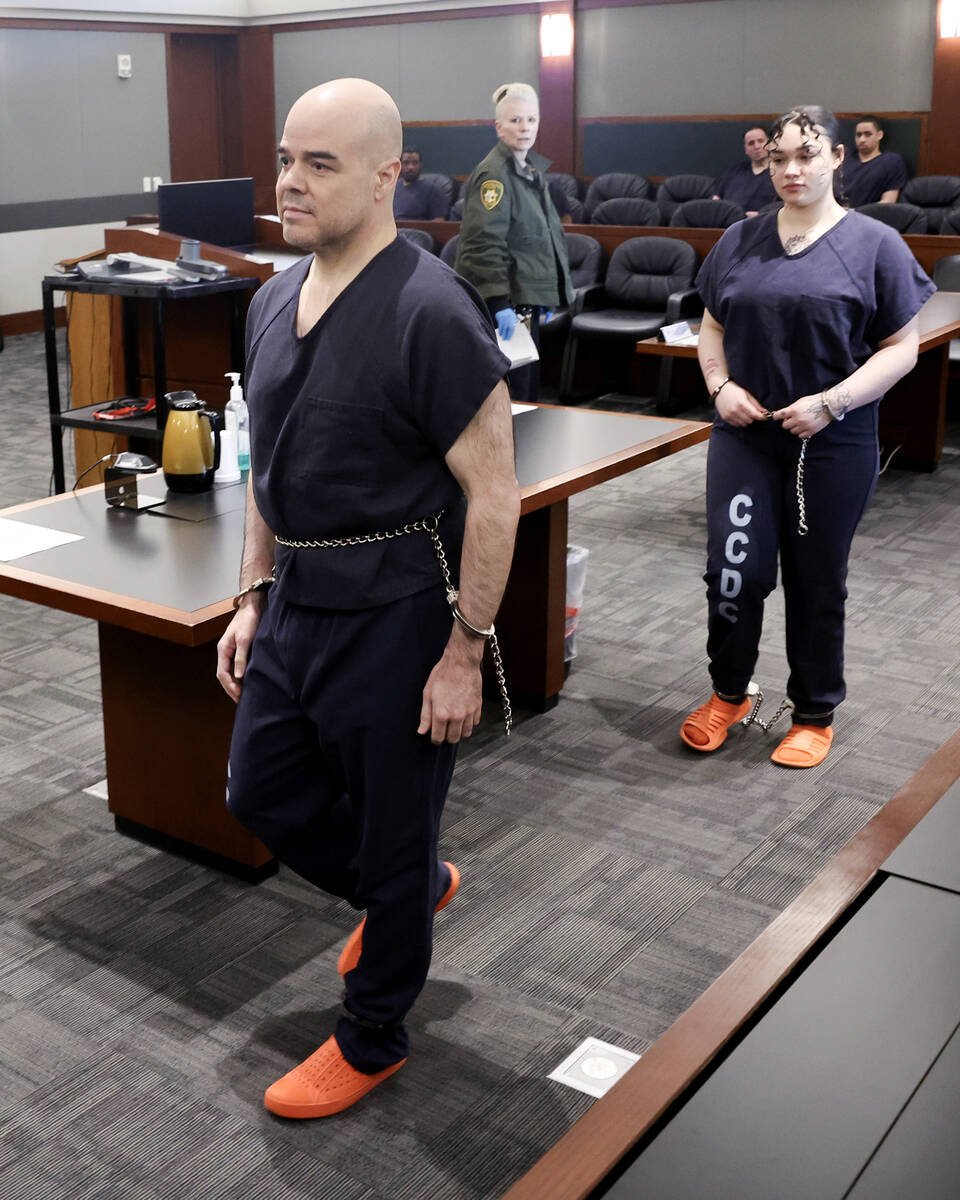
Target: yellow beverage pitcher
[{"x": 191, "y": 443}]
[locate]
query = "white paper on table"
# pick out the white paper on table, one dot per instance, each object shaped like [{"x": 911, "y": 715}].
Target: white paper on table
[
  {"x": 520, "y": 348},
  {"x": 519, "y": 408},
  {"x": 17, "y": 539}
]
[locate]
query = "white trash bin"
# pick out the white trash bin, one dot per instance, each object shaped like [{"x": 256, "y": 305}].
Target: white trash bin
[{"x": 576, "y": 578}]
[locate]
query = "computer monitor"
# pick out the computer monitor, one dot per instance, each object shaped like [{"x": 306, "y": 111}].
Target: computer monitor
[{"x": 211, "y": 210}]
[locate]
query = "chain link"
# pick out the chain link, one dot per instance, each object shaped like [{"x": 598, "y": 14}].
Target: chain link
[
  {"x": 494, "y": 644},
  {"x": 429, "y": 525},
  {"x": 753, "y": 717},
  {"x": 801, "y": 500},
  {"x": 363, "y": 539}
]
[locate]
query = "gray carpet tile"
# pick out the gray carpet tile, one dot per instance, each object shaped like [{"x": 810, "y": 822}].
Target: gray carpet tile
[{"x": 610, "y": 874}]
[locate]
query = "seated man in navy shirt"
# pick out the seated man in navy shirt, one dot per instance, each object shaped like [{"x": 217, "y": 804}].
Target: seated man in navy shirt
[
  {"x": 415, "y": 199},
  {"x": 869, "y": 175},
  {"x": 748, "y": 183}
]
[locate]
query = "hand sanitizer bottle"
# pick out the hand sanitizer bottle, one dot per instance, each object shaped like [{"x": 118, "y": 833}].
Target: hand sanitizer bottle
[{"x": 237, "y": 417}]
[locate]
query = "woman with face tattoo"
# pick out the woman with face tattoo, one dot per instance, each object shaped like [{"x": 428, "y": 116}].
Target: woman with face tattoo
[{"x": 811, "y": 315}]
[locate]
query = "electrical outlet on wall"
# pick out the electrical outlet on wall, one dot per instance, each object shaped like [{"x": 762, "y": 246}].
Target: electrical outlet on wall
[
  {"x": 147, "y": 187},
  {"x": 124, "y": 66},
  {"x": 157, "y": 180}
]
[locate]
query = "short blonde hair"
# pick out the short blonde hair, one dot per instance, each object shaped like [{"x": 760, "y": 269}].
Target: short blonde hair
[{"x": 513, "y": 91}]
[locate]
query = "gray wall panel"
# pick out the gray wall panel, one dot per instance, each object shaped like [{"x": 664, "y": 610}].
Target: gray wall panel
[
  {"x": 69, "y": 128},
  {"x": 448, "y": 69},
  {"x": 755, "y": 56},
  {"x": 435, "y": 70},
  {"x": 303, "y": 59}
]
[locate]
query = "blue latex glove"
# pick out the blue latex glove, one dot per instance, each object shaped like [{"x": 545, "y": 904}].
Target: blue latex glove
[
  {"x": 547, "y": 314},
  {"x": 506, "y": 323}
]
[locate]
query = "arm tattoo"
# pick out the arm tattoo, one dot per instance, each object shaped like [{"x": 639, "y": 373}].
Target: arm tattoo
[
  {"x": 837, "y": 401},
  {"x": 711, "y": 367}
]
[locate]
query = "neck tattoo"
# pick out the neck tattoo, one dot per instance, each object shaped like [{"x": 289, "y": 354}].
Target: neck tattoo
[{"x": 794, "y": 243}]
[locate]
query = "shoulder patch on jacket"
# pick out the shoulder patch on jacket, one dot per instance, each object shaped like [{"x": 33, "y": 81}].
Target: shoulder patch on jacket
[{"x": 491, "y": 193}]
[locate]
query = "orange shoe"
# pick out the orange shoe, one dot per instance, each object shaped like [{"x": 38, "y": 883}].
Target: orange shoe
[
  {"x": 322, "y": 1085},
  {"x": 804, "y": 746},
  {"x": 350, "y": 954},
  {"x": 706, "y": 727}
]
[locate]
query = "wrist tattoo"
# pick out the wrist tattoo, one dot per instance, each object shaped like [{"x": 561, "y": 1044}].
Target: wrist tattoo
[{"x": 836, "y": 401}]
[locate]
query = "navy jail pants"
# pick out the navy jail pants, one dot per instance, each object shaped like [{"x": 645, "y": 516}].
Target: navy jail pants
[
  {"x": 327, "y": 769},
  {"x": 752, "y": 514}
]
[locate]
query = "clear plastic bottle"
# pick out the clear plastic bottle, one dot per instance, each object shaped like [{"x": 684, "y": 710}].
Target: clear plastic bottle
[{"x": 236, "y": 417}]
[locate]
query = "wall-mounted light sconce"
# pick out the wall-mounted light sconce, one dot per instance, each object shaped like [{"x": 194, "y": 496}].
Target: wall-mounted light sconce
[
  {"x": 556, "y": 35},
  {"x": 949, "y": 18}
]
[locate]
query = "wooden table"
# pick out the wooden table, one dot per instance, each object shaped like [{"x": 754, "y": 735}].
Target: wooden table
[
  {"x": 913, "y": 412},
  {"x": 159, "y": 587}
]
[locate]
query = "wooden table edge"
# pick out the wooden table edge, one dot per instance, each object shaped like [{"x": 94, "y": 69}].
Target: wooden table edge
[
  {"x": 559, "y": 487},
  {"x": 128, "y": 612},
  {"x": 655, "y": 346},
  {"x": 583, "y": 1156}
]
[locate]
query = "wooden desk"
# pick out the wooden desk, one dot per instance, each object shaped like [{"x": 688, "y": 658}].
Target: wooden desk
[
  {"x": 159, "y": 587},
  {"x": 913, "y": 412}
]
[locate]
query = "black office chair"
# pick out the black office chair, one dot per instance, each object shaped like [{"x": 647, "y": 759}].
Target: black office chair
[
  {"x": 626, "y": 210},
  {"x": 614, "y": 186},
  {"x": 904, "y": 218},
  {"x": 675, "y": 189},
  {"x": 448, "y": 251},
  {"x": 649, "y": 283},
  {"x": 443, "y": 183},
  {"x": 456, "y": 211},
  {"x": 935, "y": 194},
  {"x": 950, "y": 225},
  {"x": 586, "y": 258},
  {"x": 570, "y": 188},
  {"x": 707, "y": 214},
  {"x": 420, "y": 237}
]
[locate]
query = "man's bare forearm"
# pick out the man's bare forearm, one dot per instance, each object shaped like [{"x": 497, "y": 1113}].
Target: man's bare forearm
[
  {"x": 258, "y": 543},
  {"x": 488, "y": 539}
]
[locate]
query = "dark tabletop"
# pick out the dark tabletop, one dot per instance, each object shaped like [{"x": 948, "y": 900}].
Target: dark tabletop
[{"x": 190, "y": 557}]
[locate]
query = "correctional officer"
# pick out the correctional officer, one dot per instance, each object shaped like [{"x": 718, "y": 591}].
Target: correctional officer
[
  {"x": 511, "y": 244},
  {"x": 376, "y": 401}
]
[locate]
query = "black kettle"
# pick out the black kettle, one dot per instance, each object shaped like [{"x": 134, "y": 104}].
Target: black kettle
[{"x": 190, "y": 454}]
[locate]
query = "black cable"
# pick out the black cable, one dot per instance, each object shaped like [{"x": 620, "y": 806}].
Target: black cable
[{"x": 92, "y": 467}]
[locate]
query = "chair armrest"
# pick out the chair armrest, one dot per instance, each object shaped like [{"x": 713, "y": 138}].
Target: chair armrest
[
  {"x": 586, "y": 298},
  {"x": 686, "y": 303}
]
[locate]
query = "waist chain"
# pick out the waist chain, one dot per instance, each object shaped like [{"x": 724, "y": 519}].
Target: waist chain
[{"x": 430, "y": 526}]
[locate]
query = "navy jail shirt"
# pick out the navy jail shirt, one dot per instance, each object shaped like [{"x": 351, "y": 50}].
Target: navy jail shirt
[
  {"x": 419, "y": 201},
  {"x": 349, "y": 424},
  {"x": 865, "y": 182},
  {"x": 740, "y": 185},
  {"x": 796, "y": 324}
]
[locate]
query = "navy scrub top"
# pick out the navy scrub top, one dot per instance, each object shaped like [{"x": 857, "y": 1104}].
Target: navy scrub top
[
  {"x": 865, "y": 182},
  {"x": 740, "y": 185},
  {"x": 796, "y": 324},
  {"x": 349, "y": 424}
]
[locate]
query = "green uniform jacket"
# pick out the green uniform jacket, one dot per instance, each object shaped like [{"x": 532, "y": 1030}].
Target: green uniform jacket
[{"x": 511, "y": 244}]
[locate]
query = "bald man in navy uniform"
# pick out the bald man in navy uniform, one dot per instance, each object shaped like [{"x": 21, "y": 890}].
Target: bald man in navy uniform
[{"x": 377, "y": 406}]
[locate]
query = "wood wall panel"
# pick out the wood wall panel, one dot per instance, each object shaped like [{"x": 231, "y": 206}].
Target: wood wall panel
[{"x": 943, "y": 146}]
